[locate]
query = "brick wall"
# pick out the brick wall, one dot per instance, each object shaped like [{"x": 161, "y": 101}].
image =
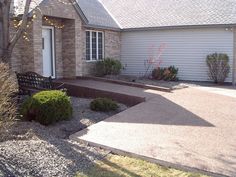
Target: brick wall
[
  {"x": 68, "y": 49},
  {"x": 58, "y": 50},
  {"x": 27, "y": 55},
  {"x": 22, "y": 56},
  {"x": 69, "y": 43},
  {"x": 112, "y": 45},
  {"x": 16, "y": 60},
  {"x": 79, "y": 38},
  {"x": 37, "y": 45}
]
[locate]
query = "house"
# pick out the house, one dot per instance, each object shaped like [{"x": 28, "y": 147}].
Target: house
[{"x": 66, "y": 39}]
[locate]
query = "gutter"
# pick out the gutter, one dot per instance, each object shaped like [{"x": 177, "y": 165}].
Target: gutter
[
  {"x": 178, "y": 27},
  {"x": 161, "y": 27},
  {"x": 102, "y": 27}
]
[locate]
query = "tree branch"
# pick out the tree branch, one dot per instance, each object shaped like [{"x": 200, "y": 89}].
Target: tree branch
[
  {"x": 4, "y": 20},
  {"x": 22, "y": 27}
]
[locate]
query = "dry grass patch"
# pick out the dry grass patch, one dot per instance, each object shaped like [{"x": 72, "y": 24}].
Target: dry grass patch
[
  {"x": 8, "y": 87},
  {"x": 119, "y": 166}
]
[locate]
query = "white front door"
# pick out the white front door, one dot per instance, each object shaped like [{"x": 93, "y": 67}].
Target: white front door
[{"x": 48, "y": 52}]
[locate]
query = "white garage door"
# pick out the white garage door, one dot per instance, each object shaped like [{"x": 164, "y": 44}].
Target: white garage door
[{"x": 184, "y": 48}]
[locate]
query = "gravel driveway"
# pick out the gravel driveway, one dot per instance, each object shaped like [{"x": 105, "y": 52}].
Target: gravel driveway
[{"x": 31, "y": 149}]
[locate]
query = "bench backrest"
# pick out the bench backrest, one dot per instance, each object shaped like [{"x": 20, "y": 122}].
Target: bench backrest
[{"x": 34, "y": 81}]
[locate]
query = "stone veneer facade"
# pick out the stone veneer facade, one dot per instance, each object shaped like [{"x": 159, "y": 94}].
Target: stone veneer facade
[
  {"x": 69, "y": 43},
  {"x": 112, "y": 47}
]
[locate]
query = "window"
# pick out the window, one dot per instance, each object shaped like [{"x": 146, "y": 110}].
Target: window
[{"x": 94, "y": 45}]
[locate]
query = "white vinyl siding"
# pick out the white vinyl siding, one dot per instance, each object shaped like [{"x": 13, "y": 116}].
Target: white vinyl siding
[{"x": 185, "y": 48}]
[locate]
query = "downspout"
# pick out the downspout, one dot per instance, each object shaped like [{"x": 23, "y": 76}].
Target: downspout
[{"x": 234, "y": 57}]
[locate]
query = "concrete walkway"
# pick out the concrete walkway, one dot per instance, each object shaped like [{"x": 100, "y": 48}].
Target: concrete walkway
[
  {"x": 188, "y": 128},
  {"x": 227, "y": 91}
]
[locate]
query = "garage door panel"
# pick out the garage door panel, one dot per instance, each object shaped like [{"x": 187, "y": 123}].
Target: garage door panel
[{"x": 185, "y": 48}]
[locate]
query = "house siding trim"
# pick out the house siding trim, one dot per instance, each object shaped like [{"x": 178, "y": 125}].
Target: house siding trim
[
  {"x": 102, "y": 27},
  {"x": 234, "y": 59},
  {"x": 179, "y": 27}
]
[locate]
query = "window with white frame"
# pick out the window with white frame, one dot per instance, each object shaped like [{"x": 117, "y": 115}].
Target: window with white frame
[{"x": 94, "y": 45}]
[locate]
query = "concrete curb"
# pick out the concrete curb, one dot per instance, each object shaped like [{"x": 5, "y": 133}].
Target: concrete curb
[
  {"x": 87, "y": 92},
  {"x": 132, "y": 84},
  {"x": 152, "y": 160}
]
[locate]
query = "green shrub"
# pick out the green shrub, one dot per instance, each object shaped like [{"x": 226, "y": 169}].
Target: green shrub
[
  {"x": 167, "y": 74},
  {"x": 158, "y": 73},
  {"x": 170, "y": 74},
  {"x": 47, "y": 107},
  {"x": 108, "y": 66},
  {"x": 103, "y": 104},
  {"x": 100, "y": 69},
  {"x": 219, "y": 68}
]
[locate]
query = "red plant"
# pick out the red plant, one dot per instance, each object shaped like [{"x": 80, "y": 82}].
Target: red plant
[{"x": 154, "y": 59}]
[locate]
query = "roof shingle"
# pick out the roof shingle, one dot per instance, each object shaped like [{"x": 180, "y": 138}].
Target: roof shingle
[
  {"x": 129, "y": 14},
  {"x": 93, "y": 10},
  {"x": 164, "y": 13},
  {"x": 96, "y": 14}
]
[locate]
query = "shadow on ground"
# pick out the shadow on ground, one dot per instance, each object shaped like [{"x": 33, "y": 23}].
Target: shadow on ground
[{"x": 160, "y": 111}]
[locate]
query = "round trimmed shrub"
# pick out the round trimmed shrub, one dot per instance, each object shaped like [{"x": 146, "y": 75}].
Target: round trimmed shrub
[
  {"x": 103, "y": 104},
  {"x": 47, "y": 107}
]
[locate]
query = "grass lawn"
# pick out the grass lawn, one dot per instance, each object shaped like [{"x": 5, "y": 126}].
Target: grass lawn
[{"x": 119, "y": 166}]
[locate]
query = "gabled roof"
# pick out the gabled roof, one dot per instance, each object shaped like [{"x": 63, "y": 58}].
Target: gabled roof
[
  {"x": 96, "y": 14},
  {"x": 20, "y": 4},
  {"x": 169, "y": 13},
  {"x": 136, "y": 14},
  {"x": 92, "y": 12}
]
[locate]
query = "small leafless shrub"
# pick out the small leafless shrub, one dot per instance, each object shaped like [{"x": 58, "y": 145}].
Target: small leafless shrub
[
  {"x": 8, "y": 89},
  {"x": 219, "y": 68}
]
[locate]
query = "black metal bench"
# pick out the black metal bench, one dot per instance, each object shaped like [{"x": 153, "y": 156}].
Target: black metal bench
[{"x": 31, "y": 82}]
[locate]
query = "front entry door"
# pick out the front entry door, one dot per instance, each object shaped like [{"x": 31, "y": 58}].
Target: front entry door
[{"x": 48, "y": 52}]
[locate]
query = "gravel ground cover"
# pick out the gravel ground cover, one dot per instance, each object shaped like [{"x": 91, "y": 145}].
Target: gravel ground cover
[{"x": 31, "y": 149}]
